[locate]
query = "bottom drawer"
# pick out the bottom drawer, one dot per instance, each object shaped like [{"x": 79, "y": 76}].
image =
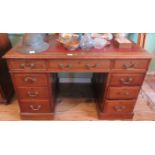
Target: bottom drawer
[
  {"x": 119, "y": 106},
  {"x": 36, "y": 106}
]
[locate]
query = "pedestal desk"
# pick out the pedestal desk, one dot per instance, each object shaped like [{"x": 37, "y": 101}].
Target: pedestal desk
[{"x": 117, "y": 78}]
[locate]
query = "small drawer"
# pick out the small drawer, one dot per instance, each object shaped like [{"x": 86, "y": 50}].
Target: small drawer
[
  {"x": 79, "y": 65},
  {"x": 130, "y": 65},
  {"x": 126, "y": 79},
  {"x": 96, "y": 65},
  {"x": 31, "y": 80},
  {"x": 27, "y": 65},
  {"x": 35, "y": 106},
  {"x": 33, "y": 93},
  {"x": 123, "y": 92},
  {"x": 120, "y": 106}
]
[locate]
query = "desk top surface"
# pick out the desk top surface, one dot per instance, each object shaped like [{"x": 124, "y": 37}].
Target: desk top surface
[{"x": 59, "y": 52}]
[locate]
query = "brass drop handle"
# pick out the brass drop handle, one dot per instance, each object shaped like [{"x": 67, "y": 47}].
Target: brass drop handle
[
  {"x": 62, "y": 66},
  {"x": 89, "y": 66},
  {"x": 126, "y": 93},
  {"x": 68, "y": 66},
  {"x": 126, "y": 81},
  {"x": 31, "y": 65},
  {"x": 35, "y": 108},
  {"x": 32, "y": 94},
  {"x": 129, "y": 66},
  {"x": 22, "y": 65},
  {"x": 29, "y": 79},
  {"x": 119, "y": 108}
]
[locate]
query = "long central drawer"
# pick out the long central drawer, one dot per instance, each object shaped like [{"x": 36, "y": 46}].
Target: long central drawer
[{"x": 79, "y": 65}]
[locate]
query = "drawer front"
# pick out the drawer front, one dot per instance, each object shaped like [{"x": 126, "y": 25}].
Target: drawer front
[
  {"x": 120, "y": 106},
  {"x": 39, "y": 106},
  {"x": 126, "y": 79},
  {"x": 123, "y": 92},
  {"x": 31, "y": 80},
  {"x": 130, "y": 65},
  {"x": 33, "y": 93},
  {"x": 27, "y": 65},
  {"x": 75, "y": 65}
]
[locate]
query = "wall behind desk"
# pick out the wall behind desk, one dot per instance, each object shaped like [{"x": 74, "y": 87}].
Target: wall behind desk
[{"x": 149, "y": 46}]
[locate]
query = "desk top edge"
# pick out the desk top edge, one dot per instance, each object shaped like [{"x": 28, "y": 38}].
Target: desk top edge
[{"x": 111, "y": 52}]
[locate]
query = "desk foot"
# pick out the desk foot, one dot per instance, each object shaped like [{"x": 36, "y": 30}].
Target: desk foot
[
  {"x": 110, "y": 116},
  {"x": 37, "y": 116}
]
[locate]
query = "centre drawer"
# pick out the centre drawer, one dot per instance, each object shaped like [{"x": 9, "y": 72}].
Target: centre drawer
[
  {"x": 35, "y": 106},
  {"x": 27, "y": 65},
  {"x": 119, "y": 106},
  {"x": 126, "y": 79},
  {"x": 33, "y": 92},
  {"x": 79, "y": 65},
  {"x": 31, "y": 79},
  {"x": 123, "y": 92}
]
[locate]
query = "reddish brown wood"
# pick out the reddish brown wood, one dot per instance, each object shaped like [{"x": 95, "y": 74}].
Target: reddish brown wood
[
  {"x": 27, "y": 65},
  {"x": 110, "y": 64},
  {"x": 59, "y": 52},
  {"x": 35, "y": 106},
  {"x": 111, "y": 116},
  {"x": 131, "y": 65},
  {"x": 123, "y": 93},
  {"x": 126, "y": 79},
  {"x": 141, "y": 39},
  {"x": 1, "y": 98},
  {"x": 119, "y": 106},
  {"x": 37, "y": 116},
  {"x": 78, "y": 65},
  {"x": 31, "y": 80},
  {"x": 33, "y": 92}
]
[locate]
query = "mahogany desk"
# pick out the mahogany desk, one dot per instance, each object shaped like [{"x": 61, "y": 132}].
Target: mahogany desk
[{"x": 117, "y": 79}]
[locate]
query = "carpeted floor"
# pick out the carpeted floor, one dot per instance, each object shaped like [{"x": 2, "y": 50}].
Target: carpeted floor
[{"x": 81, "y": 106}]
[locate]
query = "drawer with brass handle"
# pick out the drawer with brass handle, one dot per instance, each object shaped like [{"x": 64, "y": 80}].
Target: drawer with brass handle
[
  {"x": 30, "y": 79},
  {"x": 119, "y": 106},
  {"x": 79, "y": 65},
  {"x": 92, "y": 66},
  {"x": 65, "y": 66},
  {"x": 129, "y": 65},
  {"x": 27, "y": 65},
  {"x": 35, "y": 106},
  {"x": 122, "y": 92},
  {"x": 126, "y": 79},
  {"x": 33, "y": 92}
]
